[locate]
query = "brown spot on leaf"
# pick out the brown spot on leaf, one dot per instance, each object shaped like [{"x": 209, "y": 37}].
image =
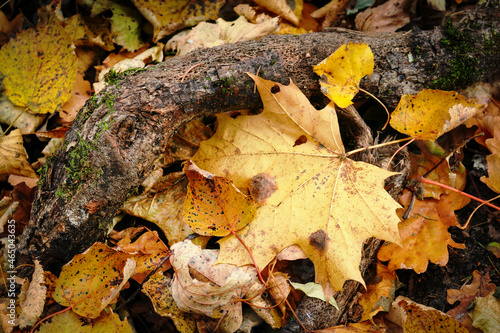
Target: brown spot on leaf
[
  {"x": 262, "y": 186},
  {"x": 319, "y": 239},
  {"x": 301, "y": 140},
  {"x": 275, "y": 89}
]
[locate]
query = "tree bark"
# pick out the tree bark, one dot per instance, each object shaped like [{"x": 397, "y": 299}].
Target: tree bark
[{"x": 116, "y": 138}]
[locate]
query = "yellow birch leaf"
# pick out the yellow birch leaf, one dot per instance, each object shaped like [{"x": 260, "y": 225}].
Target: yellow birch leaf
[
  {"x": 93, "y": 279},
  {"x": 39, "y": 68},
  {"x": 343, "y": 70},
  {"x": 13, "y": 158},
  {"x": 213, "y": 205},
  {"x": 431, "y": 113},
  {"x": 169, "y": 16},
  {"x": 321, "y": 200}
]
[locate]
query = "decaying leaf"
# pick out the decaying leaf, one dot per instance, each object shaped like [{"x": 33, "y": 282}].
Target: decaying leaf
[
  {"x": 486, "y": 313},
  {"x": 70, "y": 322},
  {"x": 200, "y": 287},
  {"x": 169, "y": 16},
  {"x": 343, "y": 70},
  {"x": 480, "y": 286},
  {"x": 387, "y": 17},
  {"x": 214, "y": 206},
  {"x": 206, "y": 35},
  {"x": 379, "y": 294},
  {"x": 325, "y": 203},
  {"x": 157, "y": 288},
  {"x": 13, "y": 156},
  {"x": 431, "y": 113},
  {"x": 34, "y": 300},
  {"x": 39, "y": 68},
  {"x": 290, "y": 10},
  {"x": 414, "y": 317}
]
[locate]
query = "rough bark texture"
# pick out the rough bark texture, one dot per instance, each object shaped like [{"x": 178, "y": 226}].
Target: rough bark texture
[{"x": 115, "y": 140}]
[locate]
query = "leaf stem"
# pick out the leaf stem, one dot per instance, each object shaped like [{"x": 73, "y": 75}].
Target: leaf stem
[
  {"x": 49, "y": 316},
  {"x": 385, "y": 108},
  {"x": 432, "y": 182},
  {"x": 377, "y": 146},
  {"x": 251, "y": 256}
]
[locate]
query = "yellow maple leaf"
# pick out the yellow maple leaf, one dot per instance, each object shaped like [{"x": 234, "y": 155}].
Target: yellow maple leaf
[
  {"x": 39, "y": 68},
  {"x": 343, "y": 70},
  {"x": 431, "y": 113},
  {"x": 321, "y": 200}
]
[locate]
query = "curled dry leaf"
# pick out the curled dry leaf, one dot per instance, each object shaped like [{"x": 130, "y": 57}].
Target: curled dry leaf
[
  {"x": 200, "y": 287},
  {"x": 387, "y": 17}
]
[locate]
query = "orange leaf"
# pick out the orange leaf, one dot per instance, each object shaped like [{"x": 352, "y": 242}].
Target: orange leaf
[
  {"x": 380, "y": 294},
  {"x": 424, "y": 232}
]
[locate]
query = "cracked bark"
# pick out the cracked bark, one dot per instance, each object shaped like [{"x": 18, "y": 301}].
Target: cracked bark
[{"x": 131, "y": 123}]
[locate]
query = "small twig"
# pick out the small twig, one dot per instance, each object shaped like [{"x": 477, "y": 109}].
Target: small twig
[
  {"x": 428, "y": 181},
  {"x": 189, "y": 70},
  {"x": 466, "y": 225},
  {"x": 376, "y": 146},
  {"x": 410, "y": 207},
  {"x": 385, "y": 108}
]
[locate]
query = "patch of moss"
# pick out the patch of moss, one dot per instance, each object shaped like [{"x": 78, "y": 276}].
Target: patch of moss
[
  {"x": 113, "y": 77},
  {"x": 226, "y": 84},
  {"x": 79, "y": 167},
  {"x": 464, "y": 66}
]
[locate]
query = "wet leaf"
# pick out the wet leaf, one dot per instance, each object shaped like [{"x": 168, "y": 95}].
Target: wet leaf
[
  {"x": 34, "y": 300},
  {"x": 425, "y": 232},
  {"x": 486, "y": 313},
  {"x": 379, "y": 294},
  {"x": 416, "y": 318}
]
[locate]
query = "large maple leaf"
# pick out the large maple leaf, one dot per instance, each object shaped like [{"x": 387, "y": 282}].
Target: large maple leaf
[{"x": 292, "y": 159}]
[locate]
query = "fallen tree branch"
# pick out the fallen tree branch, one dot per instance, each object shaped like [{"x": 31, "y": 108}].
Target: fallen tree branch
[{"x": 118, "y": 135}]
